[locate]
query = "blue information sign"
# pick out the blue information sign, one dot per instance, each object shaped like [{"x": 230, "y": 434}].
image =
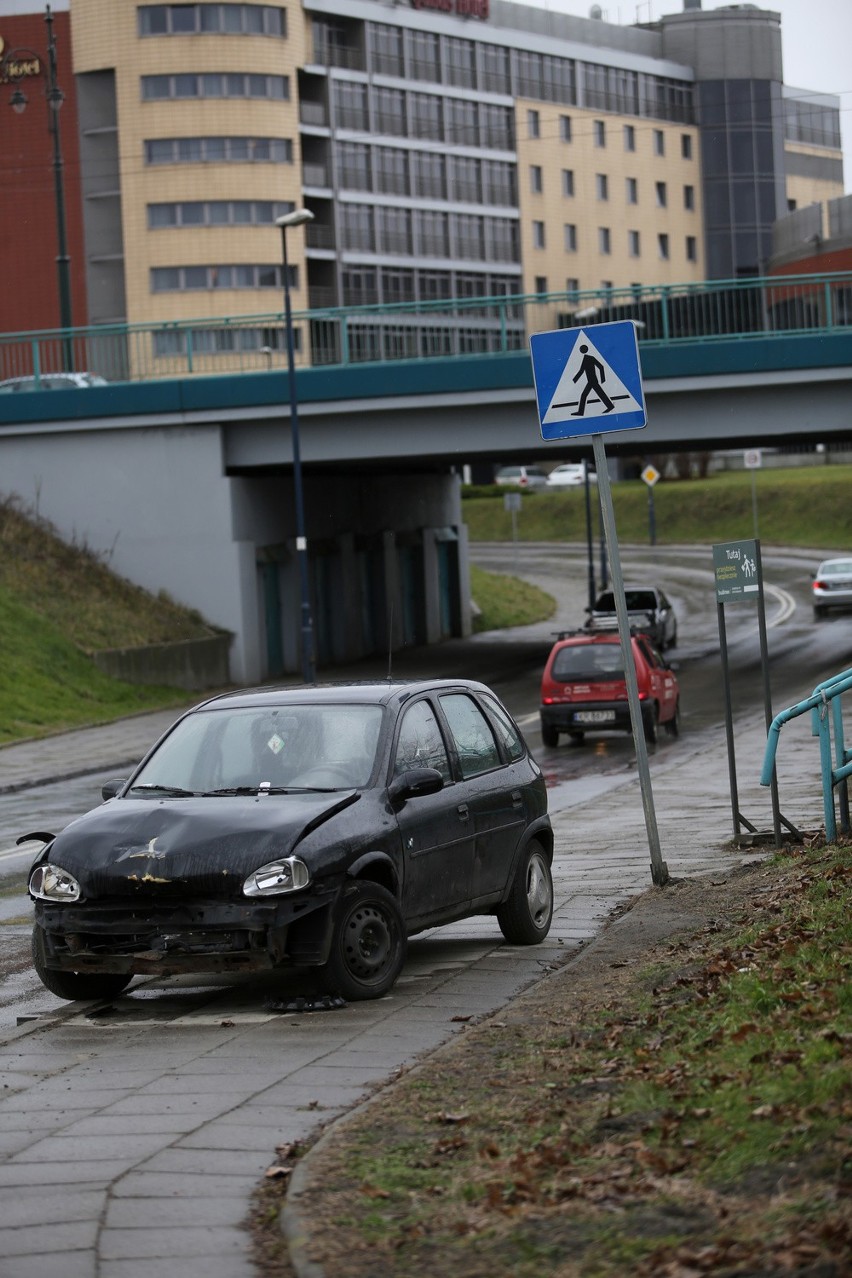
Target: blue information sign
[{"x": 588, "y": 380}]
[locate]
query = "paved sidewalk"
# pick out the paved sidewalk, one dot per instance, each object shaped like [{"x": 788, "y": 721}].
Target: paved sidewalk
[{"x": 130, "y": 1144}]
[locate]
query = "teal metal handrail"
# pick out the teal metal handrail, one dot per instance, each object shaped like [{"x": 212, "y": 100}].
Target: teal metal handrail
[
  {"x": 826, "y": 713},
  {"x": 760, "y": 307}
]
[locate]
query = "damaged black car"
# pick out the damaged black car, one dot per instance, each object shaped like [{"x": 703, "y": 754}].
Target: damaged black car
[{"x": 314, "y": 827}]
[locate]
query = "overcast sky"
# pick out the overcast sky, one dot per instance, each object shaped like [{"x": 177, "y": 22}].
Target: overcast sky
[{"x": 816, "y": 38}]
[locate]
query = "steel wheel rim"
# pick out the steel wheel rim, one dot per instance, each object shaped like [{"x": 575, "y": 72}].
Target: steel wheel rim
[
  {"x": 367, "y": 943},
  {"x": 538, "y": 890}
]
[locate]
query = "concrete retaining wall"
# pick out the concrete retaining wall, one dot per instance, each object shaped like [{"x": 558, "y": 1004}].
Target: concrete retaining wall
[{"x": 192, "y": 664}]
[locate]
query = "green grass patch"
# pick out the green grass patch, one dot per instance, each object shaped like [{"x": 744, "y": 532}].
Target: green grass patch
[
  {"x": 802, "y": 506},
  {"x": 507, "y": 601},
  {"x": 698, "y": 1108}
]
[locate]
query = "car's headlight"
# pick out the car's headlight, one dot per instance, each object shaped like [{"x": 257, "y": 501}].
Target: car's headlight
[
  {"x": 52, "y": 883},
  {"x": 287, "y": 875}
]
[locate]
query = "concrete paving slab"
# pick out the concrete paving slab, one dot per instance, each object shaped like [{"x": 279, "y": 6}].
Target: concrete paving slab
[
  {"x": 61, "y": 1264},
  {"x": 163, "y": 1213},
  {"x": 169, "y": 1243}
]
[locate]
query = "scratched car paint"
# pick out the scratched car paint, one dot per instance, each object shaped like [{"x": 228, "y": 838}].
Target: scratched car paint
[{"x": 314, "y": 828}]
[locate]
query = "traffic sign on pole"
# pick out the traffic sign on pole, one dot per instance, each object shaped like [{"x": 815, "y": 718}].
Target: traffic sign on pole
[{"x": 586, "y": 384}]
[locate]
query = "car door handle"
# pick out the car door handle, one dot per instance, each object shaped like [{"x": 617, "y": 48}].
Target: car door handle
[
  {"x": 464, "y": 812},
  {"x": 517, "y": 799}
]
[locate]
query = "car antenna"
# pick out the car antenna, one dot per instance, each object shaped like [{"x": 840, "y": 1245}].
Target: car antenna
[{"x": 390, "y": 641}]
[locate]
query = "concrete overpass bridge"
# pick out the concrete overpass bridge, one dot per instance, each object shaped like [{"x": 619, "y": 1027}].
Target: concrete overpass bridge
[{"x": 180, "y": 469}]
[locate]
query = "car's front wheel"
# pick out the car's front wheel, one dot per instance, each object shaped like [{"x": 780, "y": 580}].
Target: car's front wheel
[
  {"x": 75, "y": 985},
  {"x": 368, "y": 946},
  {"x": 525, "y": 915}
]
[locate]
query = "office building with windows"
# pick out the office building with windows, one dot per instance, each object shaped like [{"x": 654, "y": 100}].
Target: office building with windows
[{"x": 446, "y": 148}]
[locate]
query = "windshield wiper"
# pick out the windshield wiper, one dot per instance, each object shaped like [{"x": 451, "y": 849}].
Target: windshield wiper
[
  {"x": 175, "y": 790},
  {"x": 269, "y": 789}
]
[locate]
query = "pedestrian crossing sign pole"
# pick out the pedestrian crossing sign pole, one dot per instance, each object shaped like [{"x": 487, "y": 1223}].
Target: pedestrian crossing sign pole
[{"x": 587, "y": 382}]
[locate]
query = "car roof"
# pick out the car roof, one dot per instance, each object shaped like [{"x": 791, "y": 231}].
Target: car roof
[{"x": 368, "y": 691}]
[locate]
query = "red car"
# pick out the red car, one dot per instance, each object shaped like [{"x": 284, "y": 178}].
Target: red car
[{"x": 583, "y": 688}]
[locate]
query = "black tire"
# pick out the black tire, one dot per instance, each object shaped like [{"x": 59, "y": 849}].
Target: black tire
[
  {"x": 549, "y": 735},
  {"x": 673, "y": 640},
  {"x": 651, "y": 724},
  {"x": 525, "y": 915},
  {"x": 672, "y": 725},
  {"x": 819, "y": 611},
  {"x": 369, "y": 944},
  {"x": 75, "y": 985}
]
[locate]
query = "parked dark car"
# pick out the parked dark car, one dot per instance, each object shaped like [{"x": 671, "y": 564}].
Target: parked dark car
[
  {"x": 583, "y": 688},
  {"x": 308, "y": 827},
  {"x": 648, "y": 611}
]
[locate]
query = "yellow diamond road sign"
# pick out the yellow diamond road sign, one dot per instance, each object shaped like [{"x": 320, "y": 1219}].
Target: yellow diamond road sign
[{"x": 650, "y": 474}]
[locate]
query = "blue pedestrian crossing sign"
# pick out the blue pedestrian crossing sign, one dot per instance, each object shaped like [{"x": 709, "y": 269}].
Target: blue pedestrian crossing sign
[{"x": 588, "y": 380}]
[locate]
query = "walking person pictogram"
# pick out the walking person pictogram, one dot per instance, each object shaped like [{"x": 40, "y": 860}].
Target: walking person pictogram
[{"x": 593, "y": 371}]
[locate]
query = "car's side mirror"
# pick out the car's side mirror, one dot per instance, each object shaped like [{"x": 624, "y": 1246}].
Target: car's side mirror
[
  {"x": 414, "y": 784},
  {"x": 110, "y": 788}
]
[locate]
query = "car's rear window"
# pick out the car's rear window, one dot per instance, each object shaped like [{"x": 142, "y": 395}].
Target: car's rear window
[
  {"x": 588, "y": 663},
  {"x": 840, "y": 568},
  {"x": 636, "y": 600}
]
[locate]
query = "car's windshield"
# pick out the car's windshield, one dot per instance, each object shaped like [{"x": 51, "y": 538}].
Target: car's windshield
[
  {"x": 588, "y": 663},
  {"x": 282, "y": 747}
]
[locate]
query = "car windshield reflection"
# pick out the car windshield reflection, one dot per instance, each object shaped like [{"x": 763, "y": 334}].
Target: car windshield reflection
[{"x": 276, "y": 749}]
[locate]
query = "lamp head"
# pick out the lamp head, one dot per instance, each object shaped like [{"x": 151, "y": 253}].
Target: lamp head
[{"x": 296, "y": 218}]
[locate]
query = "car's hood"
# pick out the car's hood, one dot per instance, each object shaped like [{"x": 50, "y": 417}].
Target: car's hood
[{"x": 206, "y": 846}]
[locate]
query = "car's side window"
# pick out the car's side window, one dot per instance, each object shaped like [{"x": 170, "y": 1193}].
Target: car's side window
[
  {"x": 420, "y": 744},
  {"x": 474, "y": 740},
  {"x": 506, "y": 731}
]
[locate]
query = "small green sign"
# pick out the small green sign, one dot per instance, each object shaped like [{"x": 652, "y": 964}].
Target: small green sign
[{"x": 736, "y": 567}]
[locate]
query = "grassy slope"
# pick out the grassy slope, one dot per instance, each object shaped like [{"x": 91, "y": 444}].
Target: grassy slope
[
  {"x": 808, "y": 506},
  {"x": 59, "y": 603}
]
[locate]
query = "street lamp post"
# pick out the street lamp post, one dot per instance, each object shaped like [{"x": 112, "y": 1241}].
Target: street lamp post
[
  {"x": 297, "y": 218},
  {"x": 17, "y": 64}
]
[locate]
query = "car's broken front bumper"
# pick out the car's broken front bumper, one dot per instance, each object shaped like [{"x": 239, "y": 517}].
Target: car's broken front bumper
[{"x": 204, "y": 936}]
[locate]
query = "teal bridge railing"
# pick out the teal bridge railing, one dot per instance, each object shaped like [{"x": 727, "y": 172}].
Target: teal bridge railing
[
  {"x": 665, "y": 315},
  {"x": 835, "y": 764}
]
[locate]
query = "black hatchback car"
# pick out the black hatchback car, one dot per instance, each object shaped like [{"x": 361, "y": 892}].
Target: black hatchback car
[{"x": 313, "y": 827}]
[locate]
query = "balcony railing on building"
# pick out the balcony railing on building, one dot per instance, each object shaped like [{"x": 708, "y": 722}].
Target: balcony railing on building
[{"x": 442, "y": 328}]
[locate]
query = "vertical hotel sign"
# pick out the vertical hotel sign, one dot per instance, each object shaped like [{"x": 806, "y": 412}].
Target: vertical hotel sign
[{"x": 461, "y": 8}]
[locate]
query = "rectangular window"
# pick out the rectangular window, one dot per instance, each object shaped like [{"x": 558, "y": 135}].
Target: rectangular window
[
  {"x": 538, "y": 235},
  {"x": 629, "y": 137},
  {"x": 686, "y": 146},
  {"x": 633, "y": 243},
  {"x": 600, "y": 132},
  {"x": 602, "y": 186},
  {"x": 659, "y": 142},
  {"x": 533, "y": 124},
  {"x": 565, "y": 128},
  {"x": 570, "y": 231},
  {"x": 604, "y": 240},
  {"x": 632, "y": 190},
  {"x": 536, "y": 179},
  {"x": 540, "y": 284},
  {"x": 689, "y": 198},
  {"x": 572, "y": 284},
  {"x": 691, "y": 249},
  {"x": 663, "y": 246},
  {"x": 568, "y": 182},
  {"x": 660, "y": 189}
]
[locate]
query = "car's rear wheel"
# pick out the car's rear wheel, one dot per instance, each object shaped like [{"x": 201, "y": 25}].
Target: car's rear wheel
[
  {"x": 651, "y": 724},
  {"x": 525, "y": 915},
  {"x": 368, "y": 946},
  {"x": 672, "y": 725},
  {"x": 75, "y": 985},
  {"x": 549, "y": 735}
]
